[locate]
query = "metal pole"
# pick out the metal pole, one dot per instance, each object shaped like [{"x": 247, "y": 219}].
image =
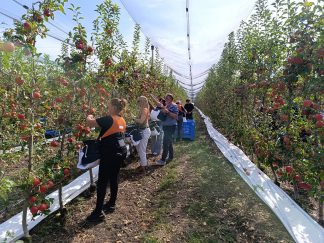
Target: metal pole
[{"x": 152, "y": 60}]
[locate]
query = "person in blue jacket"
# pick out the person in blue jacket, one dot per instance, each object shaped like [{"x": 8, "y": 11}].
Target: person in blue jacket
[{"x": 170, "y": 110}]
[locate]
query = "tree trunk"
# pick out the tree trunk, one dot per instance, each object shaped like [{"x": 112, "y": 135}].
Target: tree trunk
[
  {"x": 24, "y": 222},
  {"x": 320, "y": 208},
  {"x": 60, "y": 196}
]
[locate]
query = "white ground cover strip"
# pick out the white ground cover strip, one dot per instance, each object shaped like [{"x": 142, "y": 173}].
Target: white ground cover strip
[
  {"x": 299, "y": 224},
  {"x": 13, "y": 226}
]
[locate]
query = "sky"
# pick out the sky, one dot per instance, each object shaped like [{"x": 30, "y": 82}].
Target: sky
[{"x": 163, "y": 21}]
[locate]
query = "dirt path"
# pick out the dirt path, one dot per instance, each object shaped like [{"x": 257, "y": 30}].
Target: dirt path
[{"x": 198, "y": 197}]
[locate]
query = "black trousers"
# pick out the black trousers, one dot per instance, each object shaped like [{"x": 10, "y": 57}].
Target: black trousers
[
  {"x": 179, "y": 128},
  {"x": 167, "y": 142},
  {"x": 108, "y": 172}
]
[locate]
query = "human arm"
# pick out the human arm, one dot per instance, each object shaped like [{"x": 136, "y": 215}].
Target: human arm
[
  {"x": 172, "y": 111},
  {"x": 91, "y": 121}
]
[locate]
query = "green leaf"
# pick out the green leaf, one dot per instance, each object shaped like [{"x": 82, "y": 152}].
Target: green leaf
[
  {"x": 308, "y": 4},
  {"x": 61, "y": 7}
]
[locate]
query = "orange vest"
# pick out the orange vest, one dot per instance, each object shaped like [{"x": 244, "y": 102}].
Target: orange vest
[{"x": 119, "y": 125}]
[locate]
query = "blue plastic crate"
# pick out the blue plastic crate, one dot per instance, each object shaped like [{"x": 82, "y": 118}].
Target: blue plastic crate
[{"x": 189, "y": 129}]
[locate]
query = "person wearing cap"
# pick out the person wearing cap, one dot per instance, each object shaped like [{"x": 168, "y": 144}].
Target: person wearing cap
[{"x": 169, "y": 126}]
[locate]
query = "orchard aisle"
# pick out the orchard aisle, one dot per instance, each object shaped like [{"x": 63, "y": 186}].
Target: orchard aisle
[{"x": 198, "y": 196}]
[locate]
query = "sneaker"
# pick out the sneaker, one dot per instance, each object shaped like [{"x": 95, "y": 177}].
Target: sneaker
[
  {"x": 108, "y": 208},
  {"x": 95, "y": 217},
  {"x": 160, "y": 162}
]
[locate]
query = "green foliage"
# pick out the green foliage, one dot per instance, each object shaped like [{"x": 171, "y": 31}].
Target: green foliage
[{"x": 266, "y": 92}]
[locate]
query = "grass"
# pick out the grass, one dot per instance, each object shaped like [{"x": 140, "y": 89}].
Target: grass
[{"x": 216, "y": 203}]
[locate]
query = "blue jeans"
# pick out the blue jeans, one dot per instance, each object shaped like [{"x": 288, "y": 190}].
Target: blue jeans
[{"x": 167, "y": 142}]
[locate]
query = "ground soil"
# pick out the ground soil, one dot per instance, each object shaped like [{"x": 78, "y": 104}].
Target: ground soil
[{"x": 197, "y": 197}]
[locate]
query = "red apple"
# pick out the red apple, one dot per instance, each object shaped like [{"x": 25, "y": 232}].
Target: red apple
[
  {"x": 32, "y": 199},
  {"x": 318, "y": 117},
  {"x": 108, "y": 62},
  {"x": 92, "y": 110},
  {"x": 87, "y": 130},
  {"x": 286, "y": 140},
  {"x": 19, "y": 81},
  {"x": 322, "y": 184},
  {"x": 25, "y": 138},
  {"x": 308, "y": 103},
  {"x": 33, "y": 210},
  {"x": 64, "y": 82},
  {"x": 37, "y": 125},
  {"x": 90, "y": 49},
  {"x": 22, "y": 126},
  {"x": 66, "y": 171},
  {"x": 54, "y": 143},
  {"x": 289, "y": 169},
  {"x": 275, "y": 164},
  {"x": 70, "y": 140},
  {"x": 36, "y": 95},
  {"x": 300, "y": 49},
  {"x": 21, "y": 116},
  {"x": 304, "y": 186},
  {"x": 42, "y": 189},
  {"x": 7, "y": 46},
  {"x": 84, "y": 107},
  {"x": 79, "y": 45},
  {"x": 47, "y": 12},
  {"x": 36, "y": 182},
  {"x": 297, "y": 178},
  {"x": 319, "y": 124},
  {"x": 50, "y": 184},
  {"x": 320, "y": 52},
  {"x": 284, "y": 117},
  {"x": 109, "y": 31},
  {"x": 58, "y": 99},
  {"x": 295, "y": 60},
  {"x": 43, "y": 207},
  {"x": 79, "y": 127},
  {"x": 27, "y": 26}
]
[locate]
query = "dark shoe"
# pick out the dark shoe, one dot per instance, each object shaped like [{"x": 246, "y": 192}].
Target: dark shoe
[
  {"x": 95, "y": 217},
  {"x": 108, "y": 208},
  {"x": 160, "y": 162},
  {"x": 168, "y": 160}
]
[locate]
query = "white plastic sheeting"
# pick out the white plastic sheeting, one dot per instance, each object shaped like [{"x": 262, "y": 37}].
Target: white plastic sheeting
[
  {"x": 299, "y": 224},
  {"x": 13, "y": 226}
]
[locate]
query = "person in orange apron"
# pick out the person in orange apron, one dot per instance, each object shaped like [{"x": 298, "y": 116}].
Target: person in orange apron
[{"x": 112, "y": 149}]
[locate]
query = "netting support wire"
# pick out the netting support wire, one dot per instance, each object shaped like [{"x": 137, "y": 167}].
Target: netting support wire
[
  {"x": 202, "y": 82},
  {"x": 187, "y": 77},
  {"x": 55, "y": 26},
  {"x": 54, "y": 37},
  {"x": 188, "y": 39}
]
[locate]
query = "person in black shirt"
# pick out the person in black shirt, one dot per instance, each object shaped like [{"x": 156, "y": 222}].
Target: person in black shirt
[
  {"x": 189, "y": 108},
  {"x": 112, "y": 151},
  {"x": 181, "y": 114}
]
